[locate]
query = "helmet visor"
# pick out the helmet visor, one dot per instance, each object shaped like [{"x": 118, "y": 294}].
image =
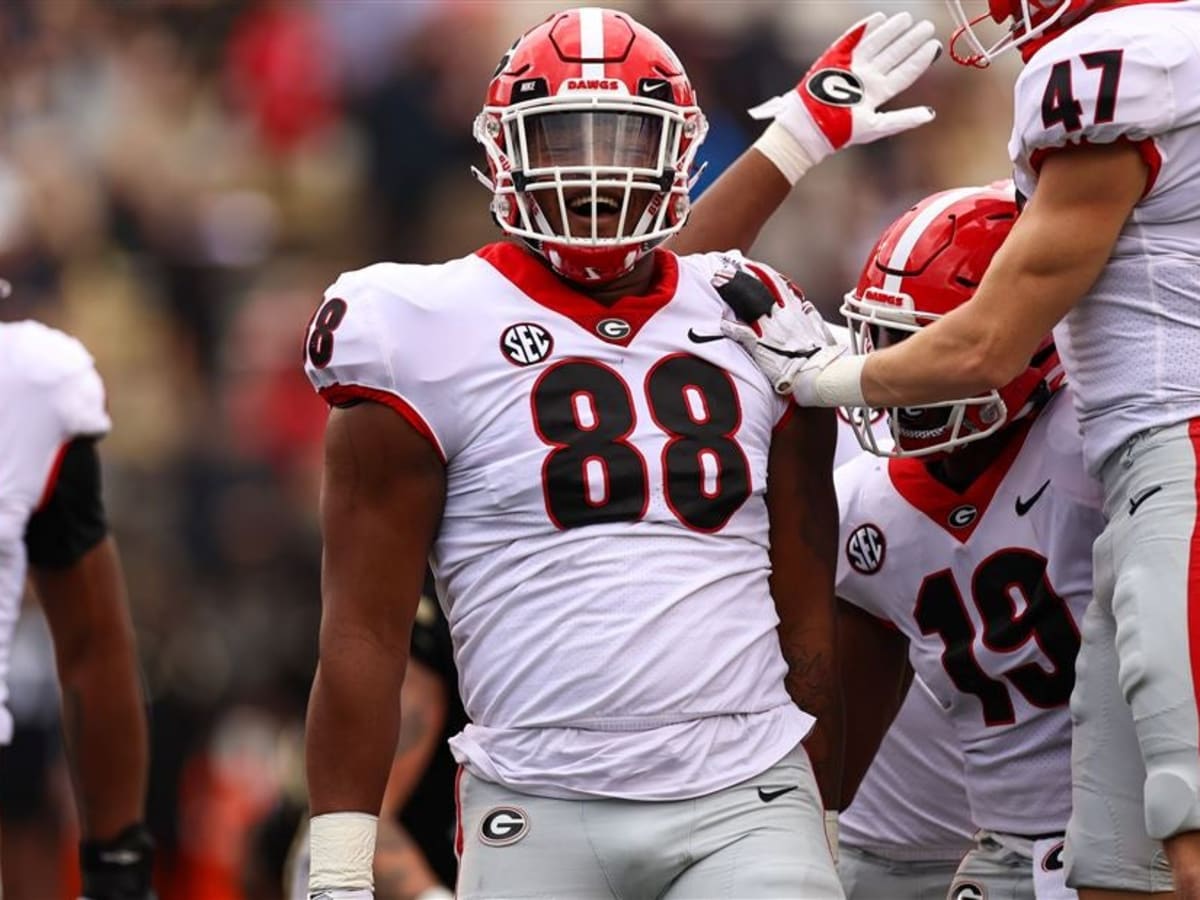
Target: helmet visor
[{"x": 593, "y": 140}]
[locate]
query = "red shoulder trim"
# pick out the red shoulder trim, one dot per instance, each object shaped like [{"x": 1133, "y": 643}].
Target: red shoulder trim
[
  {"x": 926, "y": 494},
  {"x": 52, "y": 478},
  {"x": 529, "y": 274},
  {"x": 340, "y": 394}
]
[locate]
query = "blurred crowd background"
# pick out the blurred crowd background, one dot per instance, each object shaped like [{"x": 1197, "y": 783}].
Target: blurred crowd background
[{"x": 179, "y": 181}]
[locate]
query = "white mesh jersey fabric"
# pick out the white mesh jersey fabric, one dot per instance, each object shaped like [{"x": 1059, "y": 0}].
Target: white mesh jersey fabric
[
  {"x": 991, "y": 606},
  {"x": 634, "y": 658},
  {"x": 912, "y": 803},
  {"x": 1132, "y": 345},
  {"x": 52, "y": 394}
]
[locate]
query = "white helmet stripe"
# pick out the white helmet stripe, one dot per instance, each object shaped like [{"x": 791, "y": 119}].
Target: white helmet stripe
[
  {"x": 916, "y": 228},
  {"x": 591, "y": 40}
]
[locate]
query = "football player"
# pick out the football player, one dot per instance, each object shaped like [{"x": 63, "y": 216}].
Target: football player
[
  {"x": 53, "y": 529},
  {"x": 1106, "y": 145},
  {"x": 908, "y": 823},
  {"x": 966, "y": 549},
  {"x": 969, "y": 543},
  {"x": 643, "y": 633}
]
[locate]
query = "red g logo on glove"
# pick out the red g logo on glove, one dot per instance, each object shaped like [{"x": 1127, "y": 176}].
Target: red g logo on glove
[{"x": 836, "y": 87}]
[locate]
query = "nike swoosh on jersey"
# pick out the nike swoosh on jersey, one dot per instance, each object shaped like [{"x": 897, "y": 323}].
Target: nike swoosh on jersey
[
  {"x": 767, "y": 796},
  {"x": 703, "y": 338},
  {"x": 1024, "y": 506},
  {"x": 1135, "y": 502}
]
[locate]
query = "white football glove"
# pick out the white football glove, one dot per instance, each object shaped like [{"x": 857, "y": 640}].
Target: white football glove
[
  {"x": 836, "y": 103},
  {"x": 791, "y": 339}
]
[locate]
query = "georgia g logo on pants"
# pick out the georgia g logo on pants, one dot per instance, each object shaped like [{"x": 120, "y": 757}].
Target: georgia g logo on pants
[{"x": 503, "y": 825}]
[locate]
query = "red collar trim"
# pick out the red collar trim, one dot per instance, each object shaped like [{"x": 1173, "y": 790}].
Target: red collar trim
[
  {"x": 926, "y": 494},
  {"x": 1027, "y": 50},
  {"x": 530, "y": 275}
]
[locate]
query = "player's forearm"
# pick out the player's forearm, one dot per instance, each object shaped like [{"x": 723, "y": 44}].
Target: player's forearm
[
  {"x": 104, "y": 721},
  {"x": 812, "y": 682},
  {"x": 353, "y": 722},
  {"x": 733, "y": 210},
  {"x": 104, "y": 714}
]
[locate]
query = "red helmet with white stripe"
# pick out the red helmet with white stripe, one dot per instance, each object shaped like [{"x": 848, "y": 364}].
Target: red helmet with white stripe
[
  {"x": 591, "y": 129},
  {"x": 1027, "y": 21},
  {"x": 927, "y": 263}
]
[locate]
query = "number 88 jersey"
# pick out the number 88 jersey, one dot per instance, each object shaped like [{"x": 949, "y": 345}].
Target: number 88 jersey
[
  {"x": 602, "y": 557},
  {"x": 989, "y": 586}
]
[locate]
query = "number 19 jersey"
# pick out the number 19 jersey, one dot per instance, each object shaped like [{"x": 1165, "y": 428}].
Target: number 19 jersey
[
  {"x": 989, "y": 586},
  {"x": 603, "y": 554}
]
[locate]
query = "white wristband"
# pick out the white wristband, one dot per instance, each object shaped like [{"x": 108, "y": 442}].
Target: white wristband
[
  {"x": 840, "y": 383},
  {"x": 342, "y": 853},
  {"x": 778, "y": 145},
  {"x": 435, "y": 893}
]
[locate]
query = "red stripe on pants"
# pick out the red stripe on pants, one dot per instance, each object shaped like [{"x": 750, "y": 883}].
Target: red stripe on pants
[
  {"x": 1193, "y": 576},
  {"x": 458, "y": 828}
]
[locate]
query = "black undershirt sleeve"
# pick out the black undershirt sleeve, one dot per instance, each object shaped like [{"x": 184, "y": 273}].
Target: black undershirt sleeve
[{"x": 71, "y": 521}]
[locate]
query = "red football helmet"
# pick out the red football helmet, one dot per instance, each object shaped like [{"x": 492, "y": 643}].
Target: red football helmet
[
  {"x": 1027, "y": 20},
  {"x": 928, "y": 262},
  {"x": 591, "y": 128}
]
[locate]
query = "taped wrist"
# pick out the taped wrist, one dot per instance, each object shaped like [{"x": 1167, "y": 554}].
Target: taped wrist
[
  {"x": 342, "y": 853},
  {"x": 119, "y": 869},
  {"x": 779, "y": 146},
  {"x": 840, "y": 383}
]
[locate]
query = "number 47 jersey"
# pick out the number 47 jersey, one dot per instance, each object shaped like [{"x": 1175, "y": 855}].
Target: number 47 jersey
[
  {"x": 989, "y": 586},
  {"x": 602, "y": 557}
]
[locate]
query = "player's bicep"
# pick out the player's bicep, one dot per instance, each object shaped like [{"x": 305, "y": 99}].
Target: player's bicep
[{"x": 381, "y": 501}]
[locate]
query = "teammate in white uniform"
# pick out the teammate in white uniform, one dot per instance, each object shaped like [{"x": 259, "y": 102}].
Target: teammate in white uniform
[
  {"x": 562, "y": 425},
  {"x": 972, "y": 543},
  {"x": 908, "y": 825},
  {"x": 1106, "y": 144},
  {"x": 52, "y": 528}
]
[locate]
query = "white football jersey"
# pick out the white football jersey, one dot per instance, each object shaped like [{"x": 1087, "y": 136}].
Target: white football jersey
[
  {"x": 1132, "y": 346},
  {"x": 603, "y": 556},
  {"x": 989, "y": 586},
  {"x": 52, "y": 395},
  {"x": 912, "y": 803}
]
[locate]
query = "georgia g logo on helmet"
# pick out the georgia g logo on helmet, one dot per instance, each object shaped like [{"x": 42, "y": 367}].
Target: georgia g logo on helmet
[{"x": 836, "y": 87}]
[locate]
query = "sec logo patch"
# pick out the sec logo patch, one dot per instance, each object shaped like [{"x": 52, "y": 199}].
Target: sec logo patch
[
  {"x": 866, "y": 549},
  {"x": 526, "y": 343}
]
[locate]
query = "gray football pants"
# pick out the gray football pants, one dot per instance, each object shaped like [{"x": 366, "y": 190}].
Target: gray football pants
[
  {"x": 1135, "y": 756},
  {"x": 730, "y": 844},
  {"x": 868, "y": 876}
]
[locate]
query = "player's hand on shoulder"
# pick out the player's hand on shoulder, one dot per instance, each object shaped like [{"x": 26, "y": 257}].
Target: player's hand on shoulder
[
  {"x": 837, "y": 102},
  {"x": 783, "y": 333}
]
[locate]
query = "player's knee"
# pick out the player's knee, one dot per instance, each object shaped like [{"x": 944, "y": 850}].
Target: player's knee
[{"x": 1172, "y": 805}]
